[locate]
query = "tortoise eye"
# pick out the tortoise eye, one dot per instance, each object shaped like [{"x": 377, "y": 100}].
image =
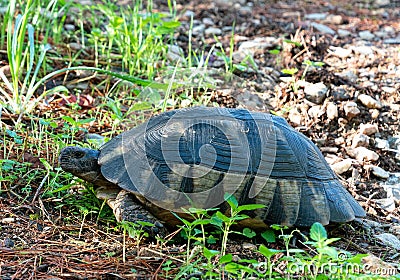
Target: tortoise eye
[{"x": 79, "y": 154}]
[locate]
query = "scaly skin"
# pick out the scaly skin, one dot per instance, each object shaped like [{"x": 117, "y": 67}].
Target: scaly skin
[{"x": 83, "y": 163}]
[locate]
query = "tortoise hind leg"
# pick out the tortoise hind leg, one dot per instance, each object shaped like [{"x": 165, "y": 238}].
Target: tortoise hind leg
[{"x": 126, "y": 208}]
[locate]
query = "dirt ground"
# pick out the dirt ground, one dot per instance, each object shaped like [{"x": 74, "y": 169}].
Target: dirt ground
[{"x": 359, "y": 44}]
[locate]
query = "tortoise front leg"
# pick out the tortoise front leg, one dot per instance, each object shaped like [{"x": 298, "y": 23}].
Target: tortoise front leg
[{"x": 127, "y": 208}]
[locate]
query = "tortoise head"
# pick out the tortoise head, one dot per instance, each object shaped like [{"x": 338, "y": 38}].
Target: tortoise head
[{"x": 83, "y": 163}]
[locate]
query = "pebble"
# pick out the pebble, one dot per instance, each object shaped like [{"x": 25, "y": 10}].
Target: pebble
[
  {"x": 366, "y": 35},
  {"x": 390, "y": 90},
  {"x": 8, "y": 220},
  {"x": 342, "y": 166},
  {"x": 362, "y": 153},
  {"x": 340, "y": 52},
  {"x": 258, "y": 44},
  {"x": 340, "y": 141},
  {"x": 392, "y": 41},
  {"x": 332, "y": 111},
  {"x": 351, "y": 110},
  {"x": 316, "y": 111},
  {"x": 368, "y": 128},
  {"x": 213, "y": 31},
  {"x": 386, "y": 204},
  {"x": 369, "y": 101},
  {"x": 378, "y": 171},
  {"x": 360, "y": 140},
  {"x": 69, "y": 27},
  {"x": 334, "y": 19},
  {"x": 8, "y": 242},
  {"x": 295, "y": 117},
  {"x": 381, "y": 143},
  {"x": 75, "y": 46},
  {"x": 343, "y": 33},
  {"x": 208, "y": 21},
  {"x": 316, "y": 16},
  {"x": 365, "y": 50},
  {"x": 389, "y": 239},
  {"x": 323, "y": 28},
  {"x": 339, "y": 93},
  {"x": 198, "y": 29},
  {"x": 315, "y": 92},
  {"x": 175, "y": 53},
  {"x": 374, "y": 113}
]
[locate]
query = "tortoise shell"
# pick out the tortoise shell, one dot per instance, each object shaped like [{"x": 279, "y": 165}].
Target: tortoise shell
[{"x": 191, "y": 157}]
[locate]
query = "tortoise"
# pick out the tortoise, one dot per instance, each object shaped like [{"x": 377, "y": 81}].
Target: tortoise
[{"x": 191, "y": 157}]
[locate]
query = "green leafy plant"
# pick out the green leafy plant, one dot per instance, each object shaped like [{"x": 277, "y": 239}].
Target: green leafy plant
[{"x": 225, "y": 223}]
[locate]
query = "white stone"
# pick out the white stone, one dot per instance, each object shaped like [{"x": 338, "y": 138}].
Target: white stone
[
  {"x": 381, "y": 143},
  {"x": 342, "y": 166},
  {"x": 316, "y": 92},
  {"x": 351, "y": 110},
  {"x": 366, "y": 35},
  {"x": 389, "y": 239},
  {"x": 360, "y": 140},
  {"x": 340, "y": 52},
  {"x": 258, "y": 44},
  {"x": 213, "y": 31},
  {"x": 332, "y": 111},
  {"x": 323, "y": 28},
  {"x": 369, "y": 101},
  {"x": 343, "y": 33},
  {"x": 362, "y": 153},
  {"x": 316, "y": 16},
  {"x": 368, "y": 128},
  {"x": 378, "y": 171},
  {"x": 315, "y": 111}
]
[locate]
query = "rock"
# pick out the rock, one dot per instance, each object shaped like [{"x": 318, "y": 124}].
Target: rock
[
  {"x": 316, "y": 92},
  {"x": 340, "y": 52},
  {"x": 390, "y": 90},
  {"x": 344, "y": 33},
  {"x": 69, "y": 27},
  {"x": 75, "y": 46},
  {"x": 316, "y": 16},
  {"x": 378, "y": 171},
  {"x": 351, "y": 110},
  {"x": 360, "y": 140},
  {"x": 389, "y": 239},
  {"x": 386, "y": 204},
  {"x": 339, "y": 93},
  {"x": 213, "y": 31},
  {"x": 258, "y": 44},
  {"x": 369, "y": 102},
  {"x": 295, "y": 117},
  {"x": 365, "y": 50},
  {"x": 381, "y": 3},
  {"x": 366, "y": 35},
  {"x": 8, "y": 242},
  {"x": 198, "y": 29},
  {"x": 374, "y": 113},
  {"x": 342, "y": 166},
  {"x": 339, "y": 141},
  {"x": 368, "y": 128},
  {"x": 175, "y": 53},
  {"x": 362, "y": 153},
  {"x": 323, "y": 28},
  {"x": 334, "y": 19},
  {"x": 208, "y": 21},
  {"x": 392, "y": 40},
  {"x": 381, "y": 143},
  {"x": 316, "y": 111},
  {"x": 332, "y": 111}
]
